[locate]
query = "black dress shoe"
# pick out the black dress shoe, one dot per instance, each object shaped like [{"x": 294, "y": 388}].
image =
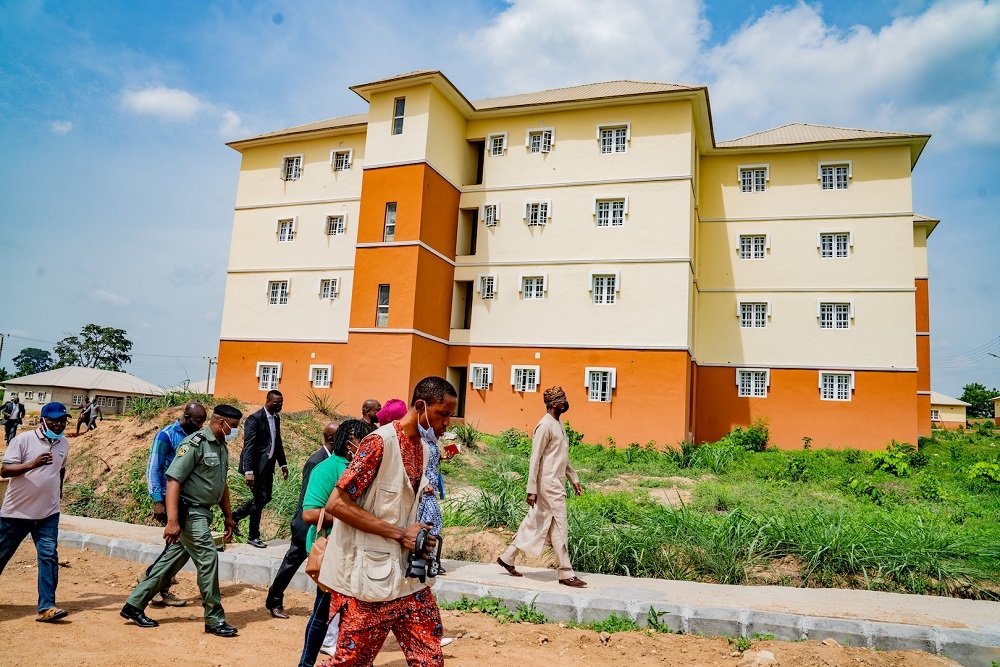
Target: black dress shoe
[
  {"x": 236, "y": 529},
  {"x": 221, "y": 629},
  {"x": 135, "y": 615},
  {"x": 257, "y": 542}
]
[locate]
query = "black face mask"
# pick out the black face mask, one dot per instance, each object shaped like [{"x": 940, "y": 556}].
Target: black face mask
[{"x": 188, "y": 427}]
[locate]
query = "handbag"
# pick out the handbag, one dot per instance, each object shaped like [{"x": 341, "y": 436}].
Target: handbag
[{"x": 314, "y": 563}]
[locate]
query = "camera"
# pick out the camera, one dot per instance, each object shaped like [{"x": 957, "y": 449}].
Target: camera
[{"x": 420, "y": 564}]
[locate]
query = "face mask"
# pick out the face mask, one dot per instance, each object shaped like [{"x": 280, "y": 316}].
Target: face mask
[
  {"x": 49, "y": 433},
  {"x": 232, "y": 434},
  {"x": 188, "y": 428},
  {"x": 428, "y": 433}
]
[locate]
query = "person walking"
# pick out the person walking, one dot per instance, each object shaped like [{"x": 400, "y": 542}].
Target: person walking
[
  {"x": 369, "y": 412},
  {"x": 261, "y": 450},
  {"x": 546, "y": 518},
  {"x": 93, "y": 412},
  {"x": 35, "y": 464},
  {"x": 13, "y": 414},
  {"x": 84, "y": 417},
  {"x": 196, "y": 482},
  {"x": 161, "y": 455}
]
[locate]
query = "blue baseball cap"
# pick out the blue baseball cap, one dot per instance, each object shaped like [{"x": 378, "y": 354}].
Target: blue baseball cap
[{"x": 54, "y": 411}]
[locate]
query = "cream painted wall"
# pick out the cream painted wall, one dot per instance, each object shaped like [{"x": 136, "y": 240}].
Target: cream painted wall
[
  {"x": 651, "y": 310},
  {"x": 950, "y": 413},
  {"x": 881, "y": 334},
  {"x": 255, "y": 242},
  {"x": 661, "y": 145},
  {"x": 920, "y": 252},
  {"x": 247, "y": 315},
  {"x": 383, "y": 147},
  {"x": 447, "y": 150},
  {"x": 261, "y": 170},
  {"x": 882, "y": 255},
  {"x": 880, "y": 184}
]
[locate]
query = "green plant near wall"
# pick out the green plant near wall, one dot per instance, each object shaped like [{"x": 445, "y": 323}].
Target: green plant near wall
[{"x": 895, "y": 460}]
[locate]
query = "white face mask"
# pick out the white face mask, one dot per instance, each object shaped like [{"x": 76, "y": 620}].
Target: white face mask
[
  {"x": 427, "y": 433},
  {"x": 232, "y": 433}
]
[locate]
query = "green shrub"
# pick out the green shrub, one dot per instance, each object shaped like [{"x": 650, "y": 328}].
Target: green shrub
[
  {"x": 614, "y": 623},
  {"x": 984, "y": 475},
  {"x": 895, "y": 460},
  {"x": 752, "y": 439},
  {"x": 929, "y": 488},
  {"x": 322, "y": 403},
  {"x": 575, "y": 437},
  {"x": 467, "y": 435},
  {"x": 985, "y": 428}
]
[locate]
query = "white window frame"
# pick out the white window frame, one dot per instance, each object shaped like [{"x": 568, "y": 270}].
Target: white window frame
[
  {"x": 382, "y": 309},
  {"x": 386, "y": 236},
  {"x": 349, "y": 152},
  {"x": 29, "y": 395},
  {"x": 484, "y": 215},
  {"x": 753, "y": 185},
  {"x": 41, "y": 396},
  {"x": 277, "y": 376},
  {"x": 544, "y": 277},
  {"x": 833, "y": 164},
  {"x": 401, "y": 117},
  {"x": 754, "y": 313},
  {"x": 481, "y": 376},
  {"x": 833, "y": 248},
  {"x": 274, "y": 299},
  {"x": 320, "y": 367},
  {"x": 754, "y": 373},
  {"x": 491, "y": 149},
  {"x": 611, "y": 127},
  {"x": 484, "y": 280},
  {"x": 544, "y": 206},
  {"x": 610, "y": 200},
  {"x": 341, "y": 229},
  {"x": 833, "y": 313},
  {"x": 77, "y": 400},
  {"x": 329, "y": 288},
  {"x": 279, "y": 226},
  {"x": 543, "y": 146},
  {"x": 836, "y": 387},
  {"x": 522, "y": 386},
  {"x": 614, "y": 293},
  {"x": 612, "y": 382},
  {"x": 935, "y": 414},
  {"x": 296, "y": 170},
  {"x": 739, "y": 245}
]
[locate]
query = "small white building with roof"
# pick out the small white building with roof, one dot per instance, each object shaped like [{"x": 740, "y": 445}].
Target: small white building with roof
[
  {"x": 946, "y": 411},
  {"x": 75, "y": 385}
]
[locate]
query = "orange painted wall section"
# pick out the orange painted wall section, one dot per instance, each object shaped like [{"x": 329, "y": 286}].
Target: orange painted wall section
[
  {"x": 439, "y": 213},
  {"x": 649, "y": 402},
  {"x": 403, "y": 185},
  {"x": 393, "y": 266},
  {"x": 379, "y": 368},
  {"x": 923, "y": 306},
  {"x": 432, "y": 291},
  {"x": 923, "y": 413},
  {"x": 881, "y": 408}
]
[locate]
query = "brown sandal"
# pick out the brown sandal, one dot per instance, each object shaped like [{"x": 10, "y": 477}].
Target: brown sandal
[
  {"x": 511, "y": 570},
  {"x": 575, "y": 582},
  {"x": 51, "y": 614}
]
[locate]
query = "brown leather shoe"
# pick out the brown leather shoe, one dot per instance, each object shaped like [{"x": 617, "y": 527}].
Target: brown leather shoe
[
  {"x": 511, "y": 570},
  {"x": 278, "y": 612},
  {"x": 575, "y": 582}
]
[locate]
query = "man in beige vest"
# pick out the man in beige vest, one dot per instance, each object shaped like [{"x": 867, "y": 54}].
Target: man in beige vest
[
  {"x": 365, "y": 565},
  {"x": 546, "y": 519}
]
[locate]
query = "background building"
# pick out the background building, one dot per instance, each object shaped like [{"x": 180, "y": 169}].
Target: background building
[
  {"x": 75, "y": 385},
  {"x": 595, "y": 237},
  {"x": 947, "y": 412}
]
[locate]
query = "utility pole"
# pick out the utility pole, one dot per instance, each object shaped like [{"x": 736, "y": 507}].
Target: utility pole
[
  {"x": 2, "y": 336},
  {"x": 208, "y": 381}
]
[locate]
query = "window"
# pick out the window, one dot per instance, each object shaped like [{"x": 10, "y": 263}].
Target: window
[
  {"x": 291, "y": 168},
  {"x": 600, "y": 383},
  {"x": 487, "y": 285},
  {"x": 491, "y": 214},
  {"x": 935, "y": 415},
  {"x": 341, "y": 159},
  {"x": 398, "y": 105},
  {"x": 497, "y": 143},
  {"x": 329, "y": 288},
  {"x": 540, "y": 141},
  {"x": 753, "y": 177},
  {"x": 12, "y": 395},
  {"x": 320, "y": 376},
  {"x": 754, "y": 315},
  {"x": 835, "y": 315},
  {"x": 610, "y": 212},
  {"x": 604, "y": 288},
  {"x": 533, "y": 287},
  {"x": 41, "y": 396},
  {"x": 614, "y": 139},
  {"x": 277, "y": 292},
  {"x": 390, "y": 222},
  {"x": 754, "y": 246},
  {"x": 524, "y": 378},
  {"x": 753, "y": 383},
  {"x": 835, "y": 176},
  {"x": 28, "y": 395},
  {"x": 286, "y": 230},
  {"x": 268, "y": 372},
  {"x": 77, "y": 400},
  {"x": 536, "y": 213},
  {"x": 835, "y": 386},
  {"x": 481, "y": 375},
  {"x": 835, "y": 245},
  {"x": 382, "y": 309},
  {"x": 336, "y": 224},
  {"x": 106, "y": 402}
]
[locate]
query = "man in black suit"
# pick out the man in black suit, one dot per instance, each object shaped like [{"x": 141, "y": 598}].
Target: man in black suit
[
  {"x": 261, "y": 450},
  {"x": 13, "y": 413}
]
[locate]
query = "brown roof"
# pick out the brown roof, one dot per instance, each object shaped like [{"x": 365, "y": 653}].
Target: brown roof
[
  {"x": 590, "y": 91},
  {"x": 358, "y": 119},
  {"x": 806, "y": 133}
]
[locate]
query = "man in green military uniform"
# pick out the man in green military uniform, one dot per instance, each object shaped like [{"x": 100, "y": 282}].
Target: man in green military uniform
[{"x": 196, "y": 482}]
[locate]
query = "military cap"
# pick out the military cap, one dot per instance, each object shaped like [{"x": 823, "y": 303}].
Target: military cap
[{"x": 227, "y": 411}]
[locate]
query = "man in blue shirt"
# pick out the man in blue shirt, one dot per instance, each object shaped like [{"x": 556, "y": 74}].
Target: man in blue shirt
[{"x": 160, "y": 457}]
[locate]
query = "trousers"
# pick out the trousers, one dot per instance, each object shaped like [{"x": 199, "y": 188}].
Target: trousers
[
  {"x": 45, "y": 534},
  {"x": 263, "y": 485},
  {"x": 558, "y": 538},
  {"x": 294, "y": 557}
]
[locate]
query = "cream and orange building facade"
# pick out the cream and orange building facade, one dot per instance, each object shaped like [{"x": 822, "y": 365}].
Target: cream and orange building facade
[{"x": 595, "y": 237}]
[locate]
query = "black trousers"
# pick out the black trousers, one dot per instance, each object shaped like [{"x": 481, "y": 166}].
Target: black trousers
[
  {"x": 10, "y": 429},
  {"x": 294, "y": 557},
  {"x": 263, "y": 484}
]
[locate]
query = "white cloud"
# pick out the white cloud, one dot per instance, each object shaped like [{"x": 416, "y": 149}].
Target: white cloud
[
  {"x": 61, "y": 127},
  {"x": 164, "y": 103},
  {"x": 231, "y": 126},
  {"x": 102, "y": 296}
]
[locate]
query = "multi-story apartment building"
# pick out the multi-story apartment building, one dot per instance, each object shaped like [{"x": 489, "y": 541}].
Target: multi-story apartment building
[{"x": 595, "y": 237}]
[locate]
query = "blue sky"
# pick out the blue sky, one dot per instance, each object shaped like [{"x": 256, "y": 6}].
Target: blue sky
[{"x": 116, "y": 188}]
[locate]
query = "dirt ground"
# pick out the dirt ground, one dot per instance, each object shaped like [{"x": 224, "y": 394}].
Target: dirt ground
[{"x": 93, "y": 589}]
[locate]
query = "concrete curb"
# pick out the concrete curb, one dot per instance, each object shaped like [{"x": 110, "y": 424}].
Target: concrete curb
[{"x": 968, "y": 647}]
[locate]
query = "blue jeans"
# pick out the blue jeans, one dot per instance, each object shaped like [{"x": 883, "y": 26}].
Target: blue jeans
[
  {"x": 45, "y": 533},
  {"x": 316, "y": 629}
]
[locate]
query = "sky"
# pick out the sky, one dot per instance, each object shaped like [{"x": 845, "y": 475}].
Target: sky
[{"x": 117, "y": 189}]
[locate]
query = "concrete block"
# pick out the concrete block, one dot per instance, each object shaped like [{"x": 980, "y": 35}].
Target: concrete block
[
  {"x": 846, "y": 632},
  {"x": 786, "y": 627},
  {"x": 253, "y": 570},
  {"x": 557, "y": 606},
  {"x": 897, "y": 637},
  {"x": 969, "y": 647},
  {"x": 302, "y": 582},
  {"x": 669, "y": 614},
  {"x": 596, "y": 609},
  {"x": 98, "y": 544},
  {"x": 71, "y": 540},
  {"x": 714, "y": 621},
  {"x": 227, "y": 566}
]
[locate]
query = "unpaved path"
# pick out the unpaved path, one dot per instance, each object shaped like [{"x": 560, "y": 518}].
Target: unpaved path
[{"x": 93, "y": 588}]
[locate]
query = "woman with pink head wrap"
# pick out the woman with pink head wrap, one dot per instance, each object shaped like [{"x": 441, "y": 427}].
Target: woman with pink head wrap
[{"x": 393, "y": 410}]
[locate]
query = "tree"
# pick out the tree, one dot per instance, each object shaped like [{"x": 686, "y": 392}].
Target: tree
[
  {"x": 32, "y": 360},
  {"x": 106, "y": 348},
  {"x": 980, "y": 399},
  {"x": 3, "y": 378}
]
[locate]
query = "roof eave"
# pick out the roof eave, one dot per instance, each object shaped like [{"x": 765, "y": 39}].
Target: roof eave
[
  {"x": 916, "y": 143},
  {"x": 302, "y": 135},
  {"x": 434, "y": 78},
  {"x": 930, "y": 223}
]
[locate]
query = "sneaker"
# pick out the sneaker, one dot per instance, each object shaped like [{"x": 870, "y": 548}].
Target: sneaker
[
  {"x": 446, "y": 640},
  {"x": 328, "y": 650},
  {"x": 167, "y": 599}
]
